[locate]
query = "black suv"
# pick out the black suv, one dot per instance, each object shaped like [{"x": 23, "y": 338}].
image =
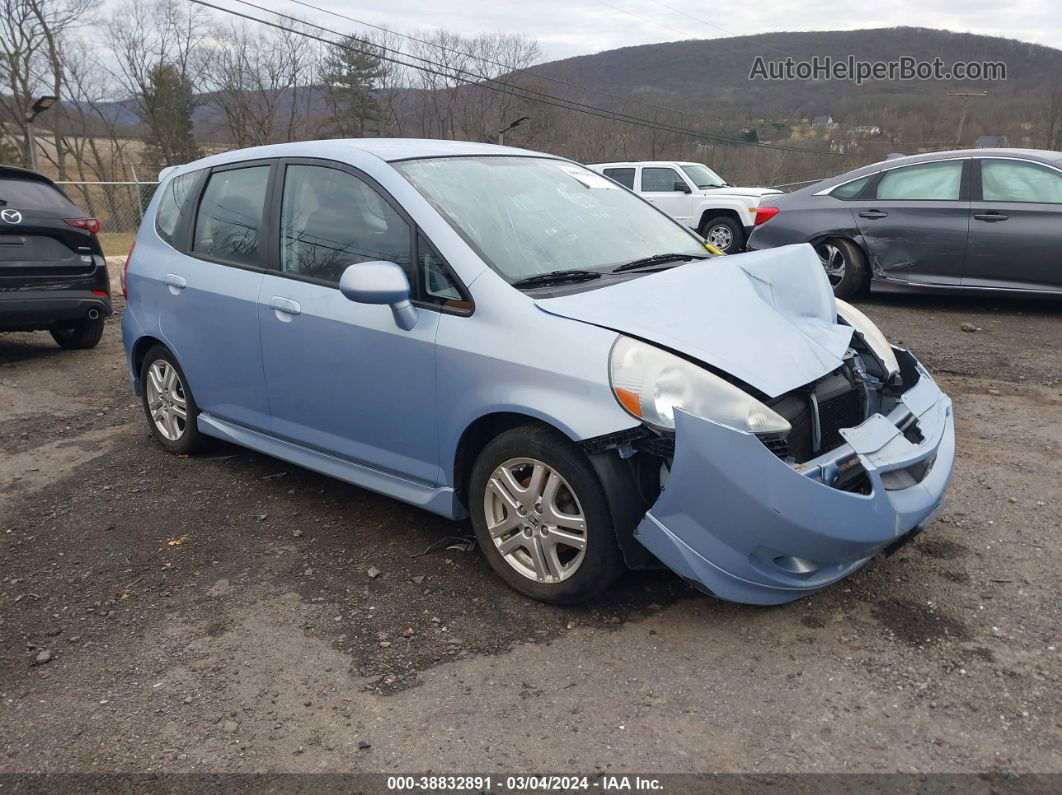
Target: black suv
[{"x": 52, "y": 272}]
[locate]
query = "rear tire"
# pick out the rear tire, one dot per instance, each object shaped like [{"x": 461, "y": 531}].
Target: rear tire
[
  {"x": 724, "y": 233},
  {"x": 166, "y": 397},
  {"x": 845, "y": 266},
  {"x": 86, "y": 333},
  {"x": 541, "y": 516}
]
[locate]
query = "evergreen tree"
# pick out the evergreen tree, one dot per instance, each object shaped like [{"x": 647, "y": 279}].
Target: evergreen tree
[
  {"x": 169, "y": 101},
  {"x": 351, "y": 72}
]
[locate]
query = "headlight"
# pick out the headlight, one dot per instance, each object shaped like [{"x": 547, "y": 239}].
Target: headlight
[
  {"x": 872, "y": 336},
  {"x": 651, "y": 383}
]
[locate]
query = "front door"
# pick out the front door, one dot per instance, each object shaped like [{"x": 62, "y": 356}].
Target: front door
[
  {"x": 916, "y": 225},
  {"x": 342, "y": 377},
  {"x": 658, "y": 187},
  {"x": 1015, "y": 227}
]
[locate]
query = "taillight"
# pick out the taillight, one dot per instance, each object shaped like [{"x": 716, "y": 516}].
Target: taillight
[
  {"x": 125, "y": 271},
  {"x": 764, "y": 214},
  {"x": 88, "y": 224}
]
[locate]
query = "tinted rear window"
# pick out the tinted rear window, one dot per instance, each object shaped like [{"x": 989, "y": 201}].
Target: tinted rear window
[
  {"x": 22, "y": 194},
  {"x": 624, "y": 176}
]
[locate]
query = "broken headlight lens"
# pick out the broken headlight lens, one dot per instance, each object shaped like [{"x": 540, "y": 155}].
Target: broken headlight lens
[
  {"x": 651, "y": 383},
  {"x": 872, "y": 336}
]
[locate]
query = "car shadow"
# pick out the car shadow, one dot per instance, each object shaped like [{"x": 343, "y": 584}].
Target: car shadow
[{"x": 22, "y": 346}]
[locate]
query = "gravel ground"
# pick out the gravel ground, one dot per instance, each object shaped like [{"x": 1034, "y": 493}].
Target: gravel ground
[{"x": 231, "y": 612}]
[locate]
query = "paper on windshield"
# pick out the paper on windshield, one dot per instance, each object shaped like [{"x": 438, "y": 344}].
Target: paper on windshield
[{"x": 587, "y": 177}]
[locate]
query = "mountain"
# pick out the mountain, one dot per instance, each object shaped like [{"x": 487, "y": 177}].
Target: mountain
[{"x": 712, "y": 77}]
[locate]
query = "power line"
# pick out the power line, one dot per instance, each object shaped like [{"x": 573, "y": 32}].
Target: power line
[
  {"x": 485, "y": 82},
  {"x": 530, "y": 72}
]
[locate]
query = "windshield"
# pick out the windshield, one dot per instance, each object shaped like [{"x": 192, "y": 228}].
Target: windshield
[
  {"x": 26, "y": 194},
  {"x": 703, "y": 177},
  {"x": 528, "y": 216}
]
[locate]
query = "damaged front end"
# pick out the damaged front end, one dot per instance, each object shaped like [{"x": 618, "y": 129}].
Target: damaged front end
[{"x": 766, "y": 519}]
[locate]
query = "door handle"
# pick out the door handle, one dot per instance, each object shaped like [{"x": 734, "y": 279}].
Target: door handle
[
  {"x": 873, "y": 214},
  {"x": 283, "y": 305},
  {"x": 993, "y": 216},
  {"x": 175, "y": 283}
]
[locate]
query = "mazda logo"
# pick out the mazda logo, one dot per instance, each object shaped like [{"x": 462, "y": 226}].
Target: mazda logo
[{"x": 11, "y": 216}]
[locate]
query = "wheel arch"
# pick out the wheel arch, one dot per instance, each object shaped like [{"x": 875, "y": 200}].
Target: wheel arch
[
  {"x": 709, "y": 213},
  {"x": 478, "y": 434}
]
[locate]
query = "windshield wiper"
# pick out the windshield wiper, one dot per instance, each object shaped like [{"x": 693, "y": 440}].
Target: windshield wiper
[
  {"x": 656, "y": 259},
  {"x": 556, "y": 277}
]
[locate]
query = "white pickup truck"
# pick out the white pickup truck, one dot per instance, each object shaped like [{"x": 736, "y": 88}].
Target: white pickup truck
[{"x": 695, "y": 195}]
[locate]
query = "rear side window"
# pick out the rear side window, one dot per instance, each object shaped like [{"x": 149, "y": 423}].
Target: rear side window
[
  {"x": 624, "y": 176},
  {"x": 229, "y": 222},
  {"x": 925, "y": 182},
  {"x": 851, "y": 189},
  {"x": 173, "y": 205},
  {"x": 24, "y": 194}
]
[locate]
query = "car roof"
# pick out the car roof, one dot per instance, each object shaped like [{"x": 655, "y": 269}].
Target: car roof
[
  {"x": 386, "y": 149},
  {"x": 634, "y": 163},
  {"x": 1039, "y": 155}
]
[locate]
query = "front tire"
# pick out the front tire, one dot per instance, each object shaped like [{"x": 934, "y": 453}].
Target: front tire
[
  {"x": 542, "y": 518},
  {"x": 724, "y": 233},
  {"x": 169, "y": 406},
  {"x": 844, "y": 264},
  {"x": 86, "y": 333}
]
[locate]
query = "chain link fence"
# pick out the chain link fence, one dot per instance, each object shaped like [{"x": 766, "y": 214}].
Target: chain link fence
[{"x": 118, "y": 206}]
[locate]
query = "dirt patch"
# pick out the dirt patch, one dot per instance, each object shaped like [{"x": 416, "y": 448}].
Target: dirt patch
[{"x": 917, "y": 624}]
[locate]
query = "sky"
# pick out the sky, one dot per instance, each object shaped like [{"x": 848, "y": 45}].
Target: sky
[{"x": 565, "y": 28}]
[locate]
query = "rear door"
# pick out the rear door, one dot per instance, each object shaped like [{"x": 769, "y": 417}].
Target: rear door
[
  {"x": 204, "y": 288},
  {"x": 38, "y": 249},
  {"x": 658, "y": 186},
  {"x": 1015, "y": 226},
  {"x": 915, "y": 221}
]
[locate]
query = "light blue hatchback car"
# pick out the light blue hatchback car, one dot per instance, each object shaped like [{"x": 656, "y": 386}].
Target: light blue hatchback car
[{"x": 487, "y": 331}]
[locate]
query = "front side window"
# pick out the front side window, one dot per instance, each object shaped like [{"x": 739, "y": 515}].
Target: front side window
[
  {"x": 230, "y": 215},
  {"x": 530, "y": 215},
  {"x": 926, "y": 182},
  {"x": 1018, "y": 181},
  {"x": 331, "y": 219},
  {"x": 173, "y": 205},
  {"x": 624, "y": 176},
  {"x": 659, "y": 180}
]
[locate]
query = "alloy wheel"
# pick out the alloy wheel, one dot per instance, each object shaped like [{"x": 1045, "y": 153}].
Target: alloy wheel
[
  {"x": 166, "y": 400},
  {"x": 833, "y": 262},
  {"x": 720, "y": 236},
  {"x": 535, "y": 520}
]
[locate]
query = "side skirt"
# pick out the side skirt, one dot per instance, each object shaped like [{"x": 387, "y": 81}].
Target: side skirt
[{"x": 439, "y": 500}]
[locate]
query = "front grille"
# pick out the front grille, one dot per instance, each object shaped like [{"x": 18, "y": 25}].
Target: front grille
[{"x": 843, "y": 410}]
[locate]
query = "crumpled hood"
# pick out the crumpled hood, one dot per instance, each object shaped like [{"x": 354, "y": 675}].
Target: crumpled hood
[{"x": 767, "y": 318}]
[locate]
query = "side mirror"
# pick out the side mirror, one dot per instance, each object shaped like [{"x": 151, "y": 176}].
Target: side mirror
[
  {"x": 681, "y": 186},
  {"x": 380, "y": 282}
]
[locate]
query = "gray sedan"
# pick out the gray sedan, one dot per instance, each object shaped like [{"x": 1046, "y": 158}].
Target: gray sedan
[{"x": 987, "y": 220}]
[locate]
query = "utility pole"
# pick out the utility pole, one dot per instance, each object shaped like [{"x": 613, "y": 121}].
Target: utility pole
[
  {"x": 517, "y": 123},
  {"x": 965, "y": 102},
  {"x": 42, "y": 104}
]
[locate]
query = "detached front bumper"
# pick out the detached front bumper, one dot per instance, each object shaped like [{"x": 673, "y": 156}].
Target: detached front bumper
[{"x": 737, "y": 520}]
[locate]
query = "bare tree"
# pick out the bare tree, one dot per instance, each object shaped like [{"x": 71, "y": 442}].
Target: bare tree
[
  {"x": 160, "y": 54},
  {"x": 32, "y": 35}
]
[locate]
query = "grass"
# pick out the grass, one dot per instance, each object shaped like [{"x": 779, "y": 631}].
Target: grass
[{"x": 116, "y": 244}]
